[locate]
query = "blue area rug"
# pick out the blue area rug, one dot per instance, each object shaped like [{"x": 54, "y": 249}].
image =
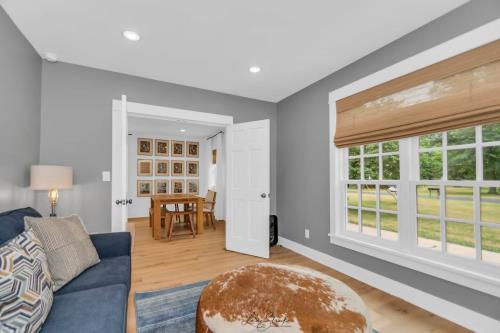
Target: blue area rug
[{"x": 169, "y": 310}]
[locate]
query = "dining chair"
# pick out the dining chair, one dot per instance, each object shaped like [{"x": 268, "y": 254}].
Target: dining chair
[
  {"x": 209, "y": 207},
  {"x": 176, "y": 214}
]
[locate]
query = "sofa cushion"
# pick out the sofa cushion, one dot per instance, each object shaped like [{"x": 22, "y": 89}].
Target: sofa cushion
[
  {"x": 93, "y": 310},
  {"x": 12, "y": 222},
  {"x": 108, "y": 272},
  {"x": 67, "y": 245}
]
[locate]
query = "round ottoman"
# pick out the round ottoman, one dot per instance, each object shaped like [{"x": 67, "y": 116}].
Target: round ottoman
[{"x": 278, "y": 298}]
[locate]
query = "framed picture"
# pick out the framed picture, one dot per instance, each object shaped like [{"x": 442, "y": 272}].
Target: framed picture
[
  {"x": 192, "y": 149},
  {"x": 144, "y": 188},
  {"x": 177, "y": 186},
  {"x": 145, "y": 146},
  {"x": 192, "y": 168},
  {"x": 177, "y": 148},
  {"x": 161, "y": 147},
  {"x": 193, "y": 186},
  {"x": 177, "y": 168},
  {"x": 161, "y": 168},
  {"x": 144, "y": 168},
  {"x": 161, "y": 186}
]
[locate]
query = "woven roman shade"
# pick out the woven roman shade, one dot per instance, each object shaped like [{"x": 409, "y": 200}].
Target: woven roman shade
[{"x": 458, "y": 92}]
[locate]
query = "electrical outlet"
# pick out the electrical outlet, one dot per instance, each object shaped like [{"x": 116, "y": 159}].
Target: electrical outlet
[{"x": 307, "y": 233}]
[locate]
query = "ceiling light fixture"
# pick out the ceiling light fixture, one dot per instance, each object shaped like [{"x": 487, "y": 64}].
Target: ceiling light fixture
[
  {"x": 131, "y": 35},
  {"x": 51, "y": 57},
  {"x": 254, "y": 69},
  {"x": 183, "y": 130}
]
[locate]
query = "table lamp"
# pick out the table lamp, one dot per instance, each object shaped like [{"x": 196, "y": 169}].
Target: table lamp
[{"x": 51, "y": 178}]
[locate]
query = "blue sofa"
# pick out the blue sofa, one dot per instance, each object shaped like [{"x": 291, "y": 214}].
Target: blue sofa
[{"x": 96, "y": 300}]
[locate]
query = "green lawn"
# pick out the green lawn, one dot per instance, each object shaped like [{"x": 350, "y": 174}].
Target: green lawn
[{"x": 458, "y": 205}]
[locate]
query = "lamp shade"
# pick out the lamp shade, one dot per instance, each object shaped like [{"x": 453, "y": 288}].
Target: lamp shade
[{"x": 47, "y": 177}]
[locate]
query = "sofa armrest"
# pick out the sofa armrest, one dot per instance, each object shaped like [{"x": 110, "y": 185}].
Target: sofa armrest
[{"x": 113, "y": 244}]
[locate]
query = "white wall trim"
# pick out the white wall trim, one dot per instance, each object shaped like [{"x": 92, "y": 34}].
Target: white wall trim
[{"x": 463, "y": 316}]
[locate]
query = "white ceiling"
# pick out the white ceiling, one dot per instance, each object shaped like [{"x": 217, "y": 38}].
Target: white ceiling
[
  {"x": 211, "y": 44},
  {"x": 168, "y": 128}
]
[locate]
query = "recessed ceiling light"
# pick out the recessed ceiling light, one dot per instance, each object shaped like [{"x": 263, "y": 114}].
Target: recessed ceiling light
[
  {"x": 254, "y": 69},
  {"x": 131, "y": 35},
  {"x": 183, "y": 130}
]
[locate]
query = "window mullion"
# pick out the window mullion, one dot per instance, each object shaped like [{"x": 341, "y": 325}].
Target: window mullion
[{"x": 404, "y": 205}]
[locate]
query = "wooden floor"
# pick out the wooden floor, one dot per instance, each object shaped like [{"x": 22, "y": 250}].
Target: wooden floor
[{"x": 161, "y": 264}]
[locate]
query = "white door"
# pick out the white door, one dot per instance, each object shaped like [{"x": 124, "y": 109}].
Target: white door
[
  {"x": 119, "y": 214},
  {"x": 248, "y": 184}
]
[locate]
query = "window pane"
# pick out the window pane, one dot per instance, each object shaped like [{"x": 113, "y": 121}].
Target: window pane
[
  {"x": 429, "y": 233},
  {"x": 459, "y": 202},
  {"x": 490, "y": 204},
  {"x": 354, "y": 151},
  {"x": 389, "y": 226},
  {"x": 460, "y": 239},
  {"x": 352, "y": 195},
  {"x": 428, "y": 202},
  {"x": 462, "y": 164},
  {"x": 491, "y": 132},
  {"x": 431, "y": 140},
  {"x": 431, "y": 165},
  {"x": 352, "y": 220},
  {"x": 390, "y": 166},
  {"x": 462, "y": 136},
  {"x": 390, "y": 146},
  {"x": 371, "y": 148},
  {"x": 490, "y": 242},
  {"x": 388, "y": 197},
  {"x": 368, "y": 196},
  {"x": 354, "y": 169},
  {"x": 491, "y": 163},
  {"x": 371, "y": 168},
  {"x": 368, "y": 222}
]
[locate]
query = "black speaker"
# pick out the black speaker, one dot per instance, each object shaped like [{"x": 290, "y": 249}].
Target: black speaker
[{"x": 273, "y": 230}]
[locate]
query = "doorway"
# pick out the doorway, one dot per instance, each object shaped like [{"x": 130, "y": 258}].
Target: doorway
[{"x": 246, "y": 173}]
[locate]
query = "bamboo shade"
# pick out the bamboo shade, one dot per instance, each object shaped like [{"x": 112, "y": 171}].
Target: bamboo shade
[{"x": 457, "y": 92}]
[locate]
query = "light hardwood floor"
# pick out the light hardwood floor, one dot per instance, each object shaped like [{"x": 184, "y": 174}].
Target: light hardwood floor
[{"x": 161, "y": 264}]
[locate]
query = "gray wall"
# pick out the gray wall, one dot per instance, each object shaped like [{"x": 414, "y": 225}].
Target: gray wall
[
  {"x": 76, "y": 128},
  {"x": 303, "y": 161},
  {"x": 20, "y": 84}
]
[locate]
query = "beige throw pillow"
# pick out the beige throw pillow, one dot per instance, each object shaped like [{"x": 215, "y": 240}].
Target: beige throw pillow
[{"x": 67, "y": 246}]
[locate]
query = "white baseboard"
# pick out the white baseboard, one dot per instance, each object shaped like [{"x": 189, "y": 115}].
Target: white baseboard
[{"x": 458, "y": 314}]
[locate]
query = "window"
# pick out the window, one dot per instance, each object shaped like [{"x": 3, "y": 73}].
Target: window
[{"x": 435, "y": 196}]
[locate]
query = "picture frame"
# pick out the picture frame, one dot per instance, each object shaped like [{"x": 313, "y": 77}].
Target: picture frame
[
  {"x": 178, "y": 186},
  {"x": 192, "y": 169},
  {"x": 177, "y": 148},
  {"x": 193, "y": 186},
  {"x": 145, "y": 146},
  {"x": 161, "y": 147},
  {"x": 177, "y": 168},
  {"x": 144, "y": 188},
  {"x": 192, "y": 149},
  {"x": 162, "y": 167},
  {"x": 144, "y": 167},
  {"x": 161, "y": 186}
]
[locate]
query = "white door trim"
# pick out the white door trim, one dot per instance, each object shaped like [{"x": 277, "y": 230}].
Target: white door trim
[
  {"x": 468, "y": 318},
  {"x": 141, "y": 110}
]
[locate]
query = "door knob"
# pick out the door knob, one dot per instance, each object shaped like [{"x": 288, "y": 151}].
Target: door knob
[
  {"x": 263, "y": 195},
  {"x": 129, "y": 201},
  {"x": 118, "y": 202}
]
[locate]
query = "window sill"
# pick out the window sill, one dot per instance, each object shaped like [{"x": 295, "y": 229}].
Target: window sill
[{"x": 469, "y": 278}]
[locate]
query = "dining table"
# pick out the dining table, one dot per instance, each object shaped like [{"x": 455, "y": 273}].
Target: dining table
[{"x": 157, "y": 201}]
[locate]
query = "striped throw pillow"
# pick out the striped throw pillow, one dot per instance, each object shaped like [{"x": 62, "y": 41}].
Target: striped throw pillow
[{"x": 67, "y": 246}]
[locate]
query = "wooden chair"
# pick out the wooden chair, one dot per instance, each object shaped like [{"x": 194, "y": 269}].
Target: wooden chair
[
  {"x": 169, "y": 222},
  {"x": 209, "y": 207}
]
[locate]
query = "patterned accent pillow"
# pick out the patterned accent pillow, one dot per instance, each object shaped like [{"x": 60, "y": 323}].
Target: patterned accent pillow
[
  {"x": 67, "y": 246},
  {"x": 25, "y": 285}
]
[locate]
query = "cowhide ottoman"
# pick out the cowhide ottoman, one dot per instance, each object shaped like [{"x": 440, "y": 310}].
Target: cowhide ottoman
[{"x": 277, "y": 298}]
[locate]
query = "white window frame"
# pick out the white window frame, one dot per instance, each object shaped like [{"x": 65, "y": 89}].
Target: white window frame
[{"x": 472, "y": 274}]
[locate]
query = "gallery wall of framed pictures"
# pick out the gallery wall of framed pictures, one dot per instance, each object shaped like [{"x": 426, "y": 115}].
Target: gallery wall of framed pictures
[{"x": 169, "y": 166}]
